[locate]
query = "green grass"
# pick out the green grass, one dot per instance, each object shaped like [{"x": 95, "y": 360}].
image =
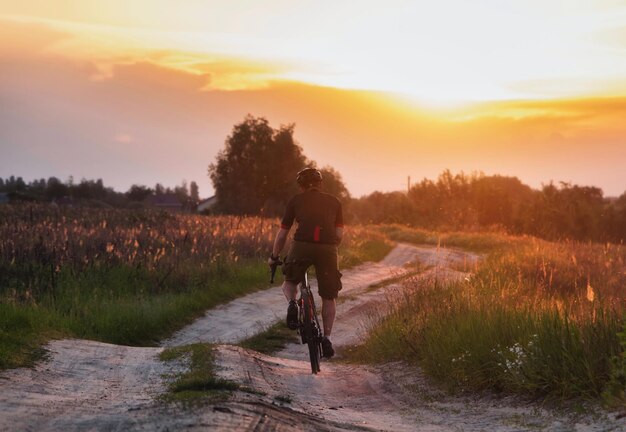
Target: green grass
[
  {"x": 272, "y": 340},
  {"x": 119, "y": 306},
  {"x": 22, "y": 331},
  {"x": 131, "y": 305},
  {"x": 199, "y": 382},
  {"x": 366, "y": 245},
  {"x": 538, "y": 319},
  {"x": 615, "y": 392},
  {"x": 477, "y": 242}
]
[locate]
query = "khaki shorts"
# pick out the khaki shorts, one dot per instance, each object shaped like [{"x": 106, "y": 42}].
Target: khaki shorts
[{"x": 323, "y": 257}]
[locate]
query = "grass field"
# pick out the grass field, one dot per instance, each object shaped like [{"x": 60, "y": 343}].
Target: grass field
[
  {"x": 473, "y": 241},
  {"x": 129, "y": 277},
  {"x": 536, "y": 318}
]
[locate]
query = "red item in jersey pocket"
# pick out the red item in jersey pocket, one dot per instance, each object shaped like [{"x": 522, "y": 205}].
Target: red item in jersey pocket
[{"x": 316, "y": 233}]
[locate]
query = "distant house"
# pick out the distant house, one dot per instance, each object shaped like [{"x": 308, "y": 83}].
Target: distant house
[
  {"x": 206, "y": 204},
  {"x": 4, "y": 198},
  {"x": 168, "y": 202}
]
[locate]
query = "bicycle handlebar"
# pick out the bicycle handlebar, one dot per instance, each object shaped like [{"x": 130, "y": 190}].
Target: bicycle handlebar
[{"x": 273, "y": 269}]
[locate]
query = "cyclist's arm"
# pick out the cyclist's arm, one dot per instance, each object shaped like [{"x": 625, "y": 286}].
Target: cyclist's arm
[
  {"x": 285, "y": 226},
  {"x": 339, "y": 234},
  {"x": 279, "y": 243}
]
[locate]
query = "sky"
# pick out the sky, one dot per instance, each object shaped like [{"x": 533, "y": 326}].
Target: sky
[{"x": 147, "y": 91}]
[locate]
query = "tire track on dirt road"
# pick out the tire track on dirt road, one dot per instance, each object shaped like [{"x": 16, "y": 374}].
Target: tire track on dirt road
[{"x": 248, "y": 315}]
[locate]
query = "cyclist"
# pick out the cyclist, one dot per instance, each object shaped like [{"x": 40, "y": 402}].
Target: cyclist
[{"x": 319, "y": 232}]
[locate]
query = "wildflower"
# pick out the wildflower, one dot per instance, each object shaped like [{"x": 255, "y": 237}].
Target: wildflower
[{"x": 590, "y": 293}]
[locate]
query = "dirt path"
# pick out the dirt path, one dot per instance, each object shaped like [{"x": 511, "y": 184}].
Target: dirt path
[
  {"x": 87, "y": 385},
  {"x": 250, "y": 314},
  {"x": 84, "y": 385}
]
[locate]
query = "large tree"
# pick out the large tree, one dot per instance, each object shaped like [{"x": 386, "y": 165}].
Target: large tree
[
  {"x": 256, "y": 171},
  {"x": 138, "y": 192},
  {"x": 194, "y": 193}
]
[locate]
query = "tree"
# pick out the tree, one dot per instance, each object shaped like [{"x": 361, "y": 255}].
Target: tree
[
  {"x": 83, "y": 189},
  {"x": 255, "y": 172},
  {"x": 181, "y": 192},
  {"x": 333, "y": 184},
  {"x": 99, "y": 189},
  {"x": 138, "y": 192},
  {"x": 89, "y": 189},
  {"x": 159, "y": 189},
  {"x": 55, "y": 189},
  {"x": 20, "y": 184},
  {"x": 194, "y": 192},
  {"x": 497, "y": 200},
  {"x": 38, "y": 187}
]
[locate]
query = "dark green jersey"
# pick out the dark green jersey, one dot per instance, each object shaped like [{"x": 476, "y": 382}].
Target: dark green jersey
[{"x": 317, "y": 214}]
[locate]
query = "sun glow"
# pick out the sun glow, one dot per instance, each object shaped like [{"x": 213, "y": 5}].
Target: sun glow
[
  {"x": 438, "y": 53},
  {"x": 411, "y": 87}
]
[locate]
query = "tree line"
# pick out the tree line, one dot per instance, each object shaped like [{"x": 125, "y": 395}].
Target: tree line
[
  {"x": 254, "y": 174},
  {"x": 478, "y": 202},
  {"x": 92, "y": 192}
]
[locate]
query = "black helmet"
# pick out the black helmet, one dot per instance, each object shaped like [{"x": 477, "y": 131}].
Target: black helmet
[{"x": 308, "y": 177}]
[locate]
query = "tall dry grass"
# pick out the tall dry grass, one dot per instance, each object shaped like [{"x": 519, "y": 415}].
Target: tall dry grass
[
  {"x": 129, "y": 277},
  {"x": 535, "y": 318}
]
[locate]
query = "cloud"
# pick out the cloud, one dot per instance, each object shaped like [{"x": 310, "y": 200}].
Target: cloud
[
  {"x": 562, "y": 87},
  {"x": 23, "y": 40},
  {"x": 159, "y": 116},
  {"x": 108, "y": 51},
  {"x": 612, "y": 38}
]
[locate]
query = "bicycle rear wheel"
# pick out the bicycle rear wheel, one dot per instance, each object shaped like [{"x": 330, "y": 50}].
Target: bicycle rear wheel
[{"x": 311, "y": 332}]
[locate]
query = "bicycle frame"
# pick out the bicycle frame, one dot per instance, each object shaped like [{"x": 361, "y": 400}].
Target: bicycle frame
[
  {"x": 308, "y": 325},
  {"x": 309, "y": 328}
]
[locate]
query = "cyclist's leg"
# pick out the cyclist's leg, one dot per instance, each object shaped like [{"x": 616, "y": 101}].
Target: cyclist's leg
[
  {"x": 290, "y": 289},
  {"x": 329, "y": 283},
  {"x": 293, "y": 269},
  {"x": 292, "y": 308},
  {"x": 328, "y": 315}
]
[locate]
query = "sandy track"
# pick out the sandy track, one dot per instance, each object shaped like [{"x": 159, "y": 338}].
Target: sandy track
[
  {"x": 87, "y": 385},
  {"x": 84, "y": 385},
  {"x": 393, "y": 397},
  {"x": 254, "y": 312},
  {"x": 390, "y": 398}
]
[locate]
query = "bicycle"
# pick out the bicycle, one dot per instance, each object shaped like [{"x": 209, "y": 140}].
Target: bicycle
[{"x": 308, "y": 325}]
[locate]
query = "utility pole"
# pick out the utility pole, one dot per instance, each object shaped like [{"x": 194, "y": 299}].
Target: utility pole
[{"x": 408, "y": 184}]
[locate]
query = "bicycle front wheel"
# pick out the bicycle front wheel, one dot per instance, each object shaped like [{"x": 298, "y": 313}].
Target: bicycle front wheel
[{"x": 311, "y": 333}]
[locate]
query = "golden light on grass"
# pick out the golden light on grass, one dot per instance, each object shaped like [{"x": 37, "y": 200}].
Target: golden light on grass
[
  {"x": 590, "y": 293},
  {"x": 519, "y": 324}
]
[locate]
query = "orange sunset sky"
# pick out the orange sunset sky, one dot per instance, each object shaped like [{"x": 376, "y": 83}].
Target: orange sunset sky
[{"x": 141, "y": 91}]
